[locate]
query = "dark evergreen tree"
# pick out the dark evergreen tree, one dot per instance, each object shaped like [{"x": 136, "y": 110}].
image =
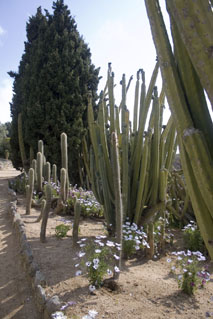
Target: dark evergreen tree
[{"x": 51, "y": 88}]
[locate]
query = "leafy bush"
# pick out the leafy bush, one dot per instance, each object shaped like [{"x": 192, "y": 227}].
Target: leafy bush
[
  {"x": 61, "y": 230},
  {"x": 189, "y": 273},
  {"x": 134, "y": 239},
  {"x": 98, "y": 259},
  {"x": 192, "y": 238},
  {"x": 89, "y": 205}
]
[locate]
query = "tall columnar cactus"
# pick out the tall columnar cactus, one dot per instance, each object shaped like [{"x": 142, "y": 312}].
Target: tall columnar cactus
[
  {"x": 46, "y": 211},
  {"x": 64, "y": 159},
  {"x": 34, "y": 166},
  {"x": 142, "y": 154},
  {"x": 47, "y": 172},
  {"x": 30, "y": 190},
  {"x": 43, "y": 204},
  {"x": 118, "y": 197},
  {"x": 41, "y": 150},
  {"x": 21, "y": 142},
  {"x": 186, "y": 74},
  {"x": 54, "y": 174},
  {"x": 63, "y": 179},
  {"x": 77, "y": 213},
  {"x": 39, "y": 171}
]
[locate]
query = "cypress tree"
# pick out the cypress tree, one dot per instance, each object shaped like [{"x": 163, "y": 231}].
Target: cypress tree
[{"x": 55, "y": 75}]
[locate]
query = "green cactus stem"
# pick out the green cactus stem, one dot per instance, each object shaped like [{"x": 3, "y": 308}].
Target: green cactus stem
[
  {"x": 46, "y": 211},
  {"x": 77, "y": 213},
  {"x": 47, "y": 172},
  {"x": 30, "y": 191},
  {"x": 64, "y": 156},
  {"x": 54, "y": 174},
  {"x": 43, "y": 204},
  {"x": 181, "y": 85},
  {"x": 118, "y": 197},
  {"x": 34, "y": 166},
  {"x": 39, "y": 171}
]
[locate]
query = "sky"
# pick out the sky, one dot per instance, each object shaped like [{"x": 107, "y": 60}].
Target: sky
[{"x": 116, "y": 31}]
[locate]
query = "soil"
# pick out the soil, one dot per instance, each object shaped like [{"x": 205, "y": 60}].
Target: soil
[
  {"x": 147, "y": 289},
  {"x": 15, "y": 295}
]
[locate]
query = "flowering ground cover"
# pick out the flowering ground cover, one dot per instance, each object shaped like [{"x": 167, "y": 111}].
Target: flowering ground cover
[{"x": 146, "y": 288}]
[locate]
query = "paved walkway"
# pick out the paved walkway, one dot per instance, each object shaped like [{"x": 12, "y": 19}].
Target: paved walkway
[{"x": 16, "y": 299}]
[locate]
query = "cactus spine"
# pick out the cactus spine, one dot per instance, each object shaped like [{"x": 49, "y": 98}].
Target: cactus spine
[{"x": 30, "y": 191}]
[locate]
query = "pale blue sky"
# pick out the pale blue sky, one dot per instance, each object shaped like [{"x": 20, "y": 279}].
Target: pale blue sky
[{"x": 116, "y": 31}]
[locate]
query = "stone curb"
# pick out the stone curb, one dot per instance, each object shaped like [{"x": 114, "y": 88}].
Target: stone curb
[{"x": 46, "y": 307}]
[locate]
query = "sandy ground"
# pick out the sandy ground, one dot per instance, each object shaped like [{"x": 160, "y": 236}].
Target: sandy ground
[
  {"x": 15, "y": 295},
  {"x": 147, "y": 289}
]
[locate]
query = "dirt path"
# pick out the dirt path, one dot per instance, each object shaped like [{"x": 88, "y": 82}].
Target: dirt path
[{"x": 15, "y": 295}]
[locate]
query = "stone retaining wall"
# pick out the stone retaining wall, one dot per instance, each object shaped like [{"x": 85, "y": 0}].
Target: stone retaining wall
[{"x": 46, "y": 307}]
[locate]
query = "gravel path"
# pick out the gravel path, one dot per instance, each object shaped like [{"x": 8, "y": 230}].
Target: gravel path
[{"x": 16, "y": 299}]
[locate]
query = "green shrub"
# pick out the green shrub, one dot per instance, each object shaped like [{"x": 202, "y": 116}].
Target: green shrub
[
  {"x": 192, "y": 238},
  {"x": 61, "y": 230}
]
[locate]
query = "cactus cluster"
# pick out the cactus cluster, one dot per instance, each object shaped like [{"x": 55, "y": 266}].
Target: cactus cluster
[
  {"x": 186, "y": 73},
  {"x": 144, "y": 156}
]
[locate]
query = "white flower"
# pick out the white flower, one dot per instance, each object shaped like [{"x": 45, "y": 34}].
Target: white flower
[
  {"x": 88, "y": 263},
  {"x": 98, "y": 251},
  {"x": 76, "y": 265},
  {"x": 81, "y": 254},
  {"x": 173, "y": 268},
  {"x": 137, "y": 247},
  {"x": 179, "y": 258},
  {"x": 110, "y": 243},
  {"x": 169, "y": 260},
  {"x": 116, "y": 269},
  {"x": 116, "y": 257},
  {"x": 109, "y": 272},
  {"x": 190, "y": 261},
  {"x": 201, "y": 258},
  {"x": 189, "y": 273},
  {"x": 180, "y": 277},
  {"x": 91, "y": 288},
  {"x": 184, "y": 270},
  {"x": 58, "y": 315},
  {"x": 82, "y": 245},
  {"x": 93, "y": 313},
  {"x": 95, "y": 266},
  {"x": 95, "y": 261},
  {"x": 78, "y": 273},
  {"x": 101, "y": 244}
]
